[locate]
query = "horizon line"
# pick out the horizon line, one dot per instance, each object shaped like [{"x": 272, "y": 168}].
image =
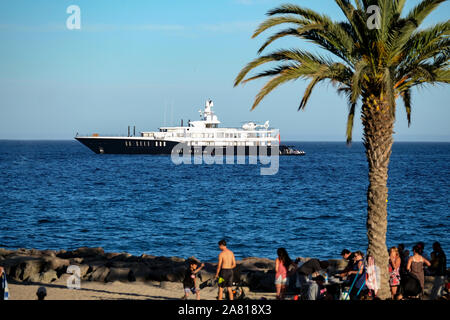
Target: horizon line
[{"x": 287, "y": 140}]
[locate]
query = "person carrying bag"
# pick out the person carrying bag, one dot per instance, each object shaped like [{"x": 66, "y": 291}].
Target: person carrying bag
[{"x": 4, "y": 291}]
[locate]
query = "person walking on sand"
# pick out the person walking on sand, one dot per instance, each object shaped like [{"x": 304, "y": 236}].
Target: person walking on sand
[
  {"x": 284, "y": 267},
  {"x": 190, "y": 279},
  {"x": 227, "y": 263},
  {"x": 415, "y": 266}
]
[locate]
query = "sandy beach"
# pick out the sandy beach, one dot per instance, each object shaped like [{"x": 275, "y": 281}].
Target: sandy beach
[
  {"x": 118, "y": 276},
  {"x": 91, "y": 290},
  {"x": 122, "y": 276}
]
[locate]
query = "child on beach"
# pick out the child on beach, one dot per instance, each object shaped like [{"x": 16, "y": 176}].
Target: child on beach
[
  {"x": 284, "y": 267},
  {"x": 190, "y": 279}
]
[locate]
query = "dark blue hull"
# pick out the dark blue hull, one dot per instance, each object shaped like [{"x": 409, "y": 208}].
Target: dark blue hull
[
  {"x": 127, "y": 146},
  {"x": 142, "y": 146}
]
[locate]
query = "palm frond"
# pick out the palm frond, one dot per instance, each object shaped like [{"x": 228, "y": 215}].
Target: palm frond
[
  {"x": 350, "y": 122},
  {"x": 422, "y": 10},
  {"x": 386, "y": 62},
  {"x": 406, "y": 96},
  {"x": 275, "y": 21}
]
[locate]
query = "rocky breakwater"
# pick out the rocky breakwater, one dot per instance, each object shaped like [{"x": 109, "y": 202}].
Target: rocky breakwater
[
  {"x": 30, "y": 265},
  {"x": 46, "y": 266}
]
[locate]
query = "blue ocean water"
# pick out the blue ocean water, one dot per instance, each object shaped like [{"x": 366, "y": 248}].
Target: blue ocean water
[{"x": 60, "y": 195}]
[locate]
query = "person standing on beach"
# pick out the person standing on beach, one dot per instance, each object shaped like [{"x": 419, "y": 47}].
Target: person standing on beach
[
  {"x": 404, "y": 256},
  {"x": 227, "y": 263},
  {"x": 4, "y": 295},
  {"x": 439, "y": 268},
  {"x": 421, "y": 246},
  {"x": 415, "y": 266},
  {"x": 394, "y": 271},
  {"x": 284, "y": 267},
  {"x": 309, "y": 270},
  {"x": 2, "y": 290},
  {"x": 190, "y": 279}
]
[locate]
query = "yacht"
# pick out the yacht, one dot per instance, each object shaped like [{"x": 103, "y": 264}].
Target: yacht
[{"x": 195, "y": 137}]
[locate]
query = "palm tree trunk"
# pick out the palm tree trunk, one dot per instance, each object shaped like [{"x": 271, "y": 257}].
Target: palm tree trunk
[{"x": 378, "y": 122}]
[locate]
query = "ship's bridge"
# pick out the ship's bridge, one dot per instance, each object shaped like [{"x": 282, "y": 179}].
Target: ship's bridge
[{"x": 209, "y": 119}]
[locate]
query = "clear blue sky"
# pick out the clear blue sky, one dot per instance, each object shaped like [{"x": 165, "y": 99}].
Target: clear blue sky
[{"x": 147, "y": 63}]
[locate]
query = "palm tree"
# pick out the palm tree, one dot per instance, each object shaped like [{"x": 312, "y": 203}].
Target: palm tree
[{"x": 374, "y": 66}]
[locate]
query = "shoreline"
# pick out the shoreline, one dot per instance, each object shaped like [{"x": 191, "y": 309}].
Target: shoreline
[
  {"x": 113, "y": 275},
  {"x": 122, "y": 276}
]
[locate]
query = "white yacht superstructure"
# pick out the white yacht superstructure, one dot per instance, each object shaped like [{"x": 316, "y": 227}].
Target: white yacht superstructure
[
  {"x": 196, "y": 136},
  {"x": 206, "y": 132}
]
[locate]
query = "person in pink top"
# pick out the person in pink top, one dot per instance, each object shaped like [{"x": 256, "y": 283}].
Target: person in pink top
[
  {"x": 394, "y": 271},
  {"x": 284, "y": 267}
]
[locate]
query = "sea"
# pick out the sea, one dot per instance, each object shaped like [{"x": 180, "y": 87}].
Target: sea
[{"x": 60, "y": 195}]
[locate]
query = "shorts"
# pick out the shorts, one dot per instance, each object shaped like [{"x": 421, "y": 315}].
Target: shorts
[
  {"x": 226, "y": 278},
  {"x": 282, "y": 281},
  {"x": 189, "y": 290}
]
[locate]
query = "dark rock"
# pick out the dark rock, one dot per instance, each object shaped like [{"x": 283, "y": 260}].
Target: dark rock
[
  {"x": 23, "y": 251},
  {"x": 122, "y": 257},
  {"x": 147, "y": 256},
  {"x": 84, "y": 268},
  {"x": 206, "y": 275},
  {"x": 35, "y": 252},
  {"x": 87, "y": 272},
  {"x": 119, "y": 264},
  {"x": 77, "y": 261},
  {"x": 99, "y": 274},
  {"x": 157, "y": 275},
  {"x": 43, "y": 277},
  {"x": 54, "y": 263},
  {"x": 140, "y": 272},
  {"x": 260, "y": 281},
  {"x": 50, "y": 253},
  {"x": 336, "y": 265},
  {"x": 111, "y": 255},
  {"x": 95, "y": 261},
  {"x": 176, "y": 274},
  {"x": 30, "y": 267},
  {"x": 5, "y": 252},
  {"x": 253, "y": 264},
  {"x": 89, "y": 252},
  {"x": 119, "y": 274}
]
